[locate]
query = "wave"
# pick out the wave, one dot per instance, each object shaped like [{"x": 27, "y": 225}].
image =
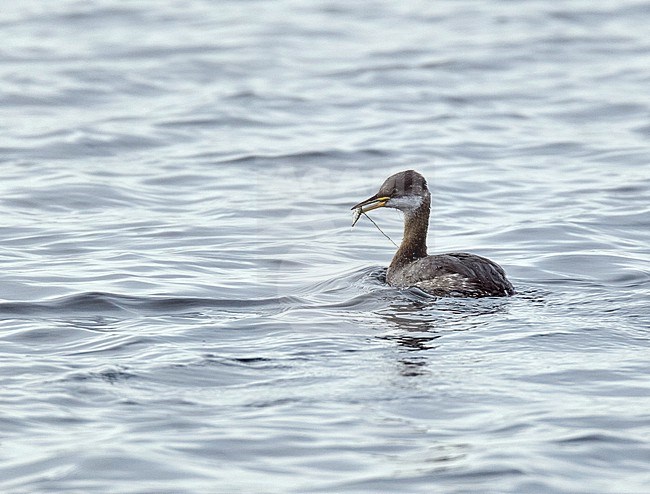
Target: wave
[{"x": 109, "y": 303}]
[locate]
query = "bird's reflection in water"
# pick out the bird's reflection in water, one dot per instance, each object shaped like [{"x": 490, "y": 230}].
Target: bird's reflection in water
[{"x": 418, "y": 322}]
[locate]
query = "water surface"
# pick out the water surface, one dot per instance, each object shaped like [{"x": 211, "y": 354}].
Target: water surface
[{"x": 185, "y": 308}]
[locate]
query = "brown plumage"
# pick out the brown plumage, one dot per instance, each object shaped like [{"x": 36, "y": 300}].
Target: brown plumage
[{"x": 454, "y": 274}]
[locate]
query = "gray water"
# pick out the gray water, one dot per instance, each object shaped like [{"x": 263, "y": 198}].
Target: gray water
[{"x": 185, "y": 308}]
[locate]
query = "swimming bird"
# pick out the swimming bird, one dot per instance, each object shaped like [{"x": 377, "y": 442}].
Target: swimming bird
[{"x": 444, "y": 275}]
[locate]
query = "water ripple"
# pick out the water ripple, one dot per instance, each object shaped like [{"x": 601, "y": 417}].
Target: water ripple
[{"x": 184, "y": 305}]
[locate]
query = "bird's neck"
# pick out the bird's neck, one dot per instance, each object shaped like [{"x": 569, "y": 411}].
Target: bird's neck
[{"x": 414, "y": 242}]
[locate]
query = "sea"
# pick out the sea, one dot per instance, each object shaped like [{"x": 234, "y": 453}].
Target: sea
[{"x": 185, "y": 308}]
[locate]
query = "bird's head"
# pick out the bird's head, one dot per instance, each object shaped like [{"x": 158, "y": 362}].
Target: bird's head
[{"x": 405, "y": 191}]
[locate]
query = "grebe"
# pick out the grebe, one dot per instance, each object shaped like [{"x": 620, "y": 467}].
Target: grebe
[{"x": 443, "y": 275}]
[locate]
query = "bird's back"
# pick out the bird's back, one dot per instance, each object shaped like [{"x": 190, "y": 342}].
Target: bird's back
[{"x": 454, "y": 274}]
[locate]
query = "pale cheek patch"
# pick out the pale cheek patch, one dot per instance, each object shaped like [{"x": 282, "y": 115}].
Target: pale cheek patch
[{"x": 406, "y": 204}]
